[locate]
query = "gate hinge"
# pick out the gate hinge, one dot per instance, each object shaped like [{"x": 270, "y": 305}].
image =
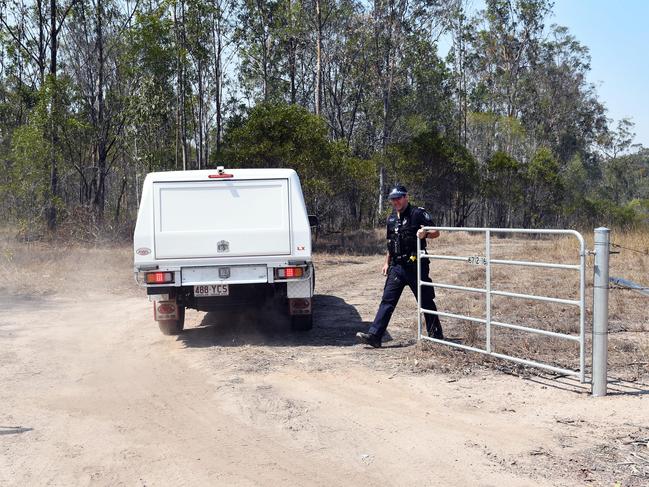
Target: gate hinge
[{"x": 592, "y": 252}]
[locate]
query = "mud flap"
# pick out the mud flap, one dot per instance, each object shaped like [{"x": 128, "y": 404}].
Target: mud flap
[
  {"x": 299, "y": 306},
  {"x": 165, "y": 310}
]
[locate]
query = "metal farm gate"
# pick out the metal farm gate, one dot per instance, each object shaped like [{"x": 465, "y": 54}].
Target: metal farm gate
[{"x": 488, "y": 291}]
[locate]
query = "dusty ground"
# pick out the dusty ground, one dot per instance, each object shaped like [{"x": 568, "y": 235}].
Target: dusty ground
[{"x": 92, "y": 394}]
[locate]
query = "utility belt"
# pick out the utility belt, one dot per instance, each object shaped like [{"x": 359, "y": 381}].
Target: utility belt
[{"x": 404, "y": 259}]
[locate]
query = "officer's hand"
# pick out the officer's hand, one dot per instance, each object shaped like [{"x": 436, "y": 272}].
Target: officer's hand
[
  {"x": 385, "y": 269},
  {"x": 421, "y": 233}
]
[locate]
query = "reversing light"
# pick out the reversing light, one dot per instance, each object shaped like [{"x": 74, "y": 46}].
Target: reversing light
[
  {"x": 159, "y": 277},
  {"x": 289, "y": 272}
]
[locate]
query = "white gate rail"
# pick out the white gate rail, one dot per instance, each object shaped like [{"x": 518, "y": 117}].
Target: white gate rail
[{"x": 487, "y": 261}]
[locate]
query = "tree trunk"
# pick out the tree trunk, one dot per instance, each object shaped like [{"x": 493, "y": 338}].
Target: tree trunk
[
  {"x": 384, "y": 32},
  {"x": 178, "y": 83},
  {"x": 291, "y": 52},
  {"x": 318, "y": 69},
  {"x": 381, "y": 186},
  {"x": 199, "y": 150},
  {"x": 119, "y": 201},
  {"x": 218, "y": 77},
  {"x": 41, "y": 42},
  {"x": 54, "y": 137},
  {"x": 182, "y": 88},
  {"x": 102, "y": 152}
]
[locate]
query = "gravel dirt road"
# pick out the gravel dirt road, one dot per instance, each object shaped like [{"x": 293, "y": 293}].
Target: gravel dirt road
[{"x": 91, "y": 393}]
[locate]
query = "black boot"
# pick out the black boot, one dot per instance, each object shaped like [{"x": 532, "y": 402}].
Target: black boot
[
  {"x": 369, "y": 339},
  {"x": 436, "y": 331}
]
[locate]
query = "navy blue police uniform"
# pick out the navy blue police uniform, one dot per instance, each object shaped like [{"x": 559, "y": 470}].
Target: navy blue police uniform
[{"x": 402, "y": 271}]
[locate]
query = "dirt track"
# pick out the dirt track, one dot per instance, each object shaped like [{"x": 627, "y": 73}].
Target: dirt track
[{"x": 92, "y": 394}]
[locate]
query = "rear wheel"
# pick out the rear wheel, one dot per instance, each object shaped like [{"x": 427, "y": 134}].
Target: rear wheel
[
  {"x": 301, "y": 322},
  {"x": 173, "y": 327}
]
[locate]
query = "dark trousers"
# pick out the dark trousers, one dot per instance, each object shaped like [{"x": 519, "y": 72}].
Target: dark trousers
[{"x": 400, "y": 276}]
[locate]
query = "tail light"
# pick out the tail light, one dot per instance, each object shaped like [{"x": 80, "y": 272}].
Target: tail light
[
  {"x": 159, "y": 277},
  {"x": 289, "y": 272}
]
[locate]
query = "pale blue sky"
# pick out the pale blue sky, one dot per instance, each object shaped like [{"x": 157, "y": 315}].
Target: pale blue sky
[{"x": 617, "y": 34}]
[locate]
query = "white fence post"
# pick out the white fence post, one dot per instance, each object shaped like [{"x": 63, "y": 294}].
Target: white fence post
[{"x": 600, "y": 312}]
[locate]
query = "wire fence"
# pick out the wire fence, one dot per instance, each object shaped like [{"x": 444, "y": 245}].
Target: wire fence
[
  {"x": 618, "y": 246},
  {"x": 621, "y": 284}
]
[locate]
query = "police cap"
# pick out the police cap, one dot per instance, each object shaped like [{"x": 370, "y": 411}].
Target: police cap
[{"x": 397, "y": 191}]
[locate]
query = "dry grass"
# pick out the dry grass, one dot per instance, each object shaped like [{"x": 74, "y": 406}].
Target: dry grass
[
  {"x": 43, "y": 268},
  {"x": 358, "y": 242}
]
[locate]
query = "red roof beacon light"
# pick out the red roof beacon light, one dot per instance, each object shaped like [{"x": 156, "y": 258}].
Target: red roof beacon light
[{"x": 220, "y": 174}]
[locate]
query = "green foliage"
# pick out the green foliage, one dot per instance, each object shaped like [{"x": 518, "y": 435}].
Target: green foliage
[
  {"x": 264, "y": 29},
  {"x": 601, "y": 212},
  {"x": 441, "y": 173},
  {"x": 625, "y": 177},
  {"x": 503, "y": 186},
  {"x": 279, "y": 135},
  {"x": 544, "y": 189},
  {"x": 503, "y": 171},
  {"x": 28, "y": 182},
  {"x": 149, "y": 62},
  {"x": 506, "y": 131}
]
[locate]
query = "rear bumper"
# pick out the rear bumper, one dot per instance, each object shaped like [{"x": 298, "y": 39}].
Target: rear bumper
[
  {"x": 251, "y": 295},
  {"x": 249, "y": 286},
  {"x": 233, "y": 274}
]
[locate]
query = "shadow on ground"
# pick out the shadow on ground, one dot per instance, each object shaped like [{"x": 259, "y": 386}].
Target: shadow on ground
[
  {"x": 23, "y": 302},
  {"x": 616, "y": 387},
  {"x": 335, "y": 323},
  {"x": 13, "y": 430}
]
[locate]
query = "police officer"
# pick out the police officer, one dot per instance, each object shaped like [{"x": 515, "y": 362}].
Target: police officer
[{"x": 404, "y": 227}]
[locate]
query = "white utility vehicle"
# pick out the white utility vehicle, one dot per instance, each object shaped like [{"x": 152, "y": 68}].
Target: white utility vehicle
[{"x": 213, "y": 239}]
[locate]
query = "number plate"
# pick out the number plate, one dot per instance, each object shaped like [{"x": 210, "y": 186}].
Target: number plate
[
  {"x": 212, "y": 290},
  {"x": 477, "y": 260}
]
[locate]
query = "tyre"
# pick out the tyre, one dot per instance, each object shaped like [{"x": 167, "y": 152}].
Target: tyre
[
  {"x": 173, "y": 327},
  {"x": 301, "y": 322}
]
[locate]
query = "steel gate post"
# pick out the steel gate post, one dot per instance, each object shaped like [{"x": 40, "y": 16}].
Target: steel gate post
[
  {"x": 600, "y": 311},
  {"x": 419, "y": 313},
  {"x": 488, "y": 289}
]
